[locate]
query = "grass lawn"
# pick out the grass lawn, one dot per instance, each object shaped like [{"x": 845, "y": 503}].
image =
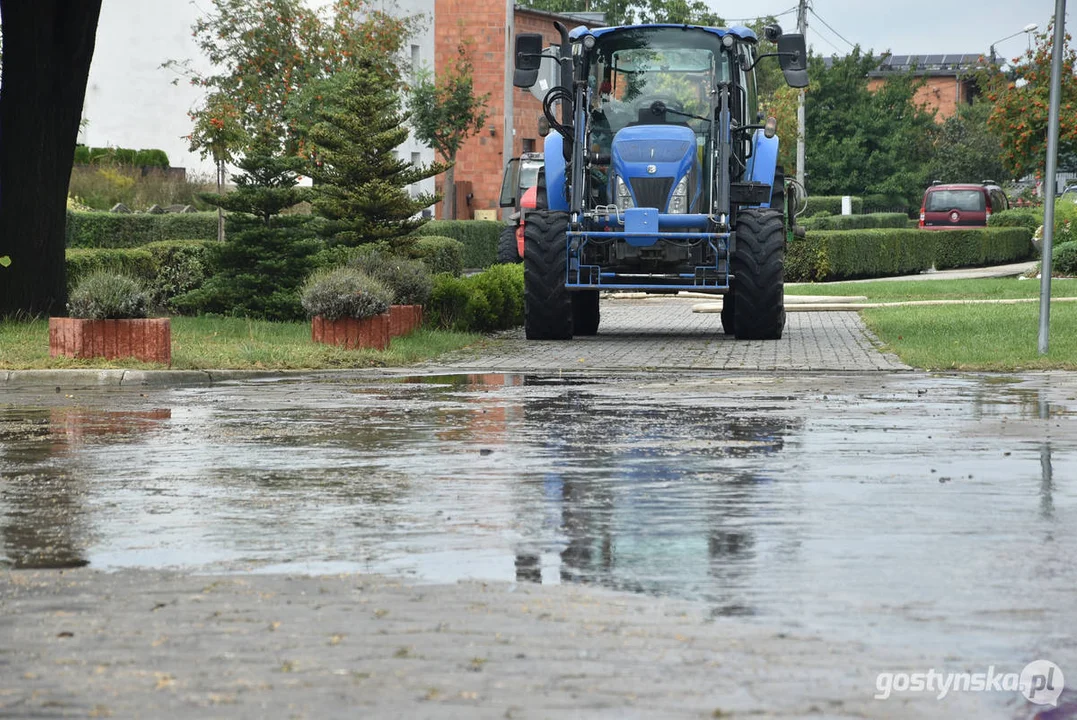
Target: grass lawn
[
  {"x": 972, "y": 289},
  {"x": 233, "y": 343},
  {"x": 966, "y": 337}
]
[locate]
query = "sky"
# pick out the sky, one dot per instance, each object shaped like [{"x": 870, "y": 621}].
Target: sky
[{"x": 907, "y": 27}]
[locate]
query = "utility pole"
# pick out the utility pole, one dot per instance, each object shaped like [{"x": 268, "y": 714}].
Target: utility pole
[
  {"x": 802, "y": 28},
  {"x": 1058, "y": 49}
]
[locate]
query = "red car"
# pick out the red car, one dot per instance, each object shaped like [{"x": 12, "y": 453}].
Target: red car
[{"x": 961, "y": 205}]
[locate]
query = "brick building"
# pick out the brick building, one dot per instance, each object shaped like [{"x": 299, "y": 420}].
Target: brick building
[
  {"x": 949, "y": 80},
  {"x": 480, "y": 162}
]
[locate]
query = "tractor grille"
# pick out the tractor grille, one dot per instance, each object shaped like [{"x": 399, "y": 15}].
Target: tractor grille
[{"x": 652, "y": 192}]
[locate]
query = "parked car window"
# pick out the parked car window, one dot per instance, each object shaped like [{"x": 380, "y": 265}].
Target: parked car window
[{"x": 966, "y": 200}]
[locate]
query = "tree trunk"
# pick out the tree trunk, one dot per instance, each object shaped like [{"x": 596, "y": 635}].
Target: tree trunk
[
  {"x": 220, "y": 210},
  {"x": 448, "y": 205},
  {"x": 48, "y": 45}
]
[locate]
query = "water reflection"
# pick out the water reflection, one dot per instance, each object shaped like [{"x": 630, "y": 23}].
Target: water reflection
[{"x": 44, "y": 521}]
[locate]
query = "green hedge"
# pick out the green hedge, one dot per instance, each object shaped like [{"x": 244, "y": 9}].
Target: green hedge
[
  {"x": 826, "y": 255},
  {"x": 886, "y": 204},
  {"x": 120, "y": 230},
  {"x": 478, "y": 236},
  {"x": 166, "y": 268},
  {"x": 120, "y": 156},
  {"x": 856, "y": 222},
  {"x": 491, "y": 300},
  {"x": 831, "y": 204}
]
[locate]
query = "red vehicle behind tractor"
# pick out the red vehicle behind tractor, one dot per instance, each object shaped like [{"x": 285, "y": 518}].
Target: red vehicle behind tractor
[{"x": 519, "y": 190}]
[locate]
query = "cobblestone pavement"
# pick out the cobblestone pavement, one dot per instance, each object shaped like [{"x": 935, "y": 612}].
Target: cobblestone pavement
[
  {"x": 665, "y": 333},
  {"x": 146, "y": 644}
]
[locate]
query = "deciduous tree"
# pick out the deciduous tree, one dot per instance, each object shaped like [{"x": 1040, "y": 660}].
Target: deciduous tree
[
  {"x": 1021, "y": 100},
  {"x": 446, "y": 111}
]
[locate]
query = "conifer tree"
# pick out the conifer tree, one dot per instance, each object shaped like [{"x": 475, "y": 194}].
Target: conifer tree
[
  {"x": 266, "y": 256},
  {"x": 360, "y": 185}
]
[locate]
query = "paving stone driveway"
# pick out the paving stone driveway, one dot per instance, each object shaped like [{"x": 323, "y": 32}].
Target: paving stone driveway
[{"x": 665, "y": 333}]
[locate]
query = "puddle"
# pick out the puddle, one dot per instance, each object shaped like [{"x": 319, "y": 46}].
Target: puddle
[{"x": 929, "y": 512}]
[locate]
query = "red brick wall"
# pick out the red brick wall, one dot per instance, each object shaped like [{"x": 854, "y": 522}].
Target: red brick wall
[
  {"x": 941, "y": 94},
  {"x": 481, "y": 160}
]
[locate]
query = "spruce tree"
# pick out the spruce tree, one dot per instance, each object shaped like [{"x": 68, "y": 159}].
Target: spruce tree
[
  {"x": 360, "y": 186},
  {"x": 266, "y": 256}
]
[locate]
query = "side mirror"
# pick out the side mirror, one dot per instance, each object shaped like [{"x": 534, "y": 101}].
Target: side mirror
[
  {"x": 528, "y": 59},
  {"x": 793, "y": 57}
]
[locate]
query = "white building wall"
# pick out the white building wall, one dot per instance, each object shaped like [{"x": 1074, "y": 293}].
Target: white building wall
[{"x": 131, "y": 100}]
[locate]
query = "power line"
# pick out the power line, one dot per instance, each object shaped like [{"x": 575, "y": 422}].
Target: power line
[
  {"x": 812, "y": 11},
  {"x": 745, "y": 21}
]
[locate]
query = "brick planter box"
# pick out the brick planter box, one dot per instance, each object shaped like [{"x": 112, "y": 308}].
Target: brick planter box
[
  {"x": 146, "y": 339},
  {"x": 371, "y": 332},
  {"x": 404, "y": 319}
]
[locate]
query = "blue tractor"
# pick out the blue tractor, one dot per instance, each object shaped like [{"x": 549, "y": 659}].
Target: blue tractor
[{"x": 659, "y": 176}]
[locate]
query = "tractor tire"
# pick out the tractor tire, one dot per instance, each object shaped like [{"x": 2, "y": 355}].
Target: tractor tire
[
  {"x": 585, "y": 314},
  {"x": 506, "y": 246},
  {"x": 729, "y": 304},
  {"x": 547, "y": 302},
  {"x": 758, "y": 265}
]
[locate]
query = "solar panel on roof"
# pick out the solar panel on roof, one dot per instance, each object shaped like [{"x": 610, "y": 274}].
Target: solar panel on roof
[{"x": 933, "y": 59}]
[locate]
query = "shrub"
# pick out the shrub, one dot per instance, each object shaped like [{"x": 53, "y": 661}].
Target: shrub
[
  {"x": 106, "y": 295},
  {"x": 856, "y": 222},
  {"x": 886, "y": 204},
  {"x": 1030, "y": 218},
  {"x": 409, "y": 280},
  {"x": 133, "y": 262},
  {"x": 491, "y": 300},
  {"x": 178, "y": 267},
  {"x": 117, "y": 230},
  {"x": 120, "y": 156},
  {"x": 830, "y": 204},
  {"x": 344, "y": 292},
  {"x": 440, "y": 254},
  {"x": 1064, "y": 260},
  {"x": 479, "y": 238}
]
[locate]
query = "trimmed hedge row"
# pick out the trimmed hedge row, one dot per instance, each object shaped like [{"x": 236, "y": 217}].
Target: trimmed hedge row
[
  {"x": 124, "y": 230},
  {"x": 856, "y": 222},
  {"x": 826, "y": 255},
  {"x": 491, "y": 300},
  {"x": 831, "y": 204},
  {"x": 478, "y": 236},
  {"x": 1030, "y": 218},
  {"x": 120, "y": 156}
]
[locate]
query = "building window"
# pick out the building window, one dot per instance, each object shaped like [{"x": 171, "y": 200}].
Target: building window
[
  {"x": 415, "y": 60},
  {"x": 529, "y": 145},
  {"x": 416, "y": 160}
]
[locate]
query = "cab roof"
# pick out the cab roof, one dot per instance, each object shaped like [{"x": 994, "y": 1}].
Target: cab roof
[{"x": 738, "y": 31}]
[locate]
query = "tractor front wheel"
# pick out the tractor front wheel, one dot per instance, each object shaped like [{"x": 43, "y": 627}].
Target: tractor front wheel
[
  {"x": 547, "y": 302},
  {"x": 585, "y": 314},
  {"x": 758, "y": 266},
  {"x": 506, "y": 245}
]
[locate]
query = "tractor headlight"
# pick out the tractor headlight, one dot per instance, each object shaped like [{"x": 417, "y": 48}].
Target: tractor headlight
[
  {"x": 624, "y": 196},
  {"x": 679, "y": 202}
]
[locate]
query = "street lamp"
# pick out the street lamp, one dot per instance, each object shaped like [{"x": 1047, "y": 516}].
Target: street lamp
[{"x": 1030, "y": 28}]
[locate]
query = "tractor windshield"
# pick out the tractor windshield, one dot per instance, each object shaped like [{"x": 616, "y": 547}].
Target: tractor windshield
[{"x": 630, "y": 70}]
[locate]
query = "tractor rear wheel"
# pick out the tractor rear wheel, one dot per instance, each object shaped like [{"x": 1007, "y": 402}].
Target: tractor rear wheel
[
  {"x": 585, "y": 314},
  {"x": 758, "y": 266},
  {"x": 506, "y": 245},
  {"x": 547, "y": 302}
]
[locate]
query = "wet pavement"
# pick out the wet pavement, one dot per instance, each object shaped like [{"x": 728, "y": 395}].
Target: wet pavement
[{"x": 901, "y": 515}]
